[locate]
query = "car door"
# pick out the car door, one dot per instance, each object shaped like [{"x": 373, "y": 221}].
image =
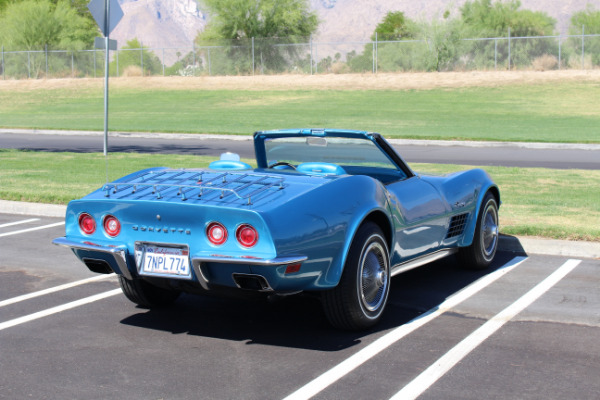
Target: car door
[{"x": 420, "y": 218}]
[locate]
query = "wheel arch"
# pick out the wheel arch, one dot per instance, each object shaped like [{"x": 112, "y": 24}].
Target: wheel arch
[
  {"x": 379, "y": 217},
  {"x": 496, "y": 192},
  {"x": 382, "y": 220},
  {"x": 467, "y": 238}
]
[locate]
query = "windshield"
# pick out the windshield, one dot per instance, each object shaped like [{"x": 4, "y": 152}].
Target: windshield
[{"x": 335, "y": 150}]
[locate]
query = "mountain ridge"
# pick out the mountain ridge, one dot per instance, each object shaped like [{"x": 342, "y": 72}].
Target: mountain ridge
[{"x": 175, "y": 23}]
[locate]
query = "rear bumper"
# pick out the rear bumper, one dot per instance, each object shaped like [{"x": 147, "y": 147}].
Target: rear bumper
[
  {"x": 208, "y": 270},
  {"x": 114, "y": 256}
]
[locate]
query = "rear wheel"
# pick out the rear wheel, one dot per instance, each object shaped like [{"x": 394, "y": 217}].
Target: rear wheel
[
  {"x": 481, "y": 252},
  {"x": 361, "y": 295},
  {"x": 145, "y": 294}
]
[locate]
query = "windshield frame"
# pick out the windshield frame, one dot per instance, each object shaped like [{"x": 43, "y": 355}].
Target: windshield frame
[{"x": 260, "y": 138}]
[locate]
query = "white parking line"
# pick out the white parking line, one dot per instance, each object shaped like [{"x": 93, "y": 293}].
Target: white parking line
[
  {"x": 19, "y": 222},
  {"x": 37, "y": 228},
  {"x": 345, "y": 367},
  {"x": 57, "y": 309},
  {"x": 438, "y": 369},
  {"x": 54, "y": 289}
]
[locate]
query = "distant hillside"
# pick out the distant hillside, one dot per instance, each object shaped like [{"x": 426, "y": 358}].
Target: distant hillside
[
  {"x": 159, "y": 23},
  {"x": 351, "y": 20},
  {"x": 175, "y": 23}
]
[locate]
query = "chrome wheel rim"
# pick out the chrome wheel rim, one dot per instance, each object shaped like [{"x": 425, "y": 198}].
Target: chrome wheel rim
[
  {"x": 489, "y": 230},
  {"x": 374, "y": 279}
]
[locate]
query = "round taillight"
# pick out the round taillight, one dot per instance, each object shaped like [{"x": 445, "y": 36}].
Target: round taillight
[
  {"x": 216, "y": 233},
  {"x": 87, "y": 224},
  {"x": 112, "y": 226},
  {"x": 246, "y": 235}
]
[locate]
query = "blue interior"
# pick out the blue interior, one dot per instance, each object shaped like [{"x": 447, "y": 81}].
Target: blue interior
[
  {"x": 229, "y": 165},
  {"x": 320, "y": 168}
]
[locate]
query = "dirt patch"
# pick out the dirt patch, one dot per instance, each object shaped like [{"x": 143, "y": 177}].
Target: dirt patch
[{"x": 381, "y": 81}]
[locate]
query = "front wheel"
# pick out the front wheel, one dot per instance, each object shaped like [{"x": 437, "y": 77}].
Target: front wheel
[
  {"x": 361, "y": 295},
  {"x": 145, "y": 294},
  {"x": 481, "y": 252}
]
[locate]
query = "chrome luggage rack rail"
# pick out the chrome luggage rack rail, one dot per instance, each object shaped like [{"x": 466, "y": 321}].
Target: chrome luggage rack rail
[{"x": 217, "y": 182}]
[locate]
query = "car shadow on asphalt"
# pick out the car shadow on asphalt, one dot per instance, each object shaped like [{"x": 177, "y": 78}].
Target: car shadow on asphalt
[{"x": 298, "y": 321}]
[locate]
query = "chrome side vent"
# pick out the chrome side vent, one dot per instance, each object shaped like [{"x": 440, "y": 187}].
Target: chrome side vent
[{"x": 457, "y": 225}]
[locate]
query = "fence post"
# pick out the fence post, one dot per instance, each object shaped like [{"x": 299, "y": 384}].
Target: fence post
[
  {"x": 46, "y": 77},
  {"x": 311, "y": 56},
  {"x": 163, "y": 61},
  {"x": 72, "y": 64},
  {"x": 375, "y": 55},
  {"x": 194, "y": 64},
  {"x": 94, "y": 63},
  {"x": 495, "y": 54},
  {"x": 509, "y": 49},
  {"x": 582, "y": 46},
  {"x": 316, "y": 59},
  {"x": 209, "y": 66},
  {"x": 376, "y": 52},
  {"x": 117, "y": 72},
  {"x": 29, "y": 64},
  {"x": 559, "y": 52},
  {"x": 3, "y": 68},
  {"x": 252, "y": 55},
  {"x": 142, "y": 56}
]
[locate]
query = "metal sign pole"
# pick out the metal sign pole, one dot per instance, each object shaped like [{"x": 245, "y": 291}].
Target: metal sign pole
[
  {"x": 101, "y": 11},
  {"x": 106, "y": 52}
]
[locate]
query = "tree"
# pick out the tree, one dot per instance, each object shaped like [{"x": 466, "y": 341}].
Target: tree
[
  {"x": 133, "y": 54},
  {"x": 34, "y": 24},
  {"x": 394, "y": 26},
  {"x": 417, "y": 46},
  {"x": 3, "y": 4},
  {"x": 444, "y": 42},
  {"x": 482, "y": 18},
  {"x": 588, "y": 20},
  {"x": 238, "y": 21},
  {"x": 487, "y": 19}
]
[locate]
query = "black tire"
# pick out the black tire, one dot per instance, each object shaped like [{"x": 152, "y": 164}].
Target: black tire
[
  {"x": 480, "y": 254},
  {"x": 145, "y": 294},
  {"x": 358, "y": 301}
]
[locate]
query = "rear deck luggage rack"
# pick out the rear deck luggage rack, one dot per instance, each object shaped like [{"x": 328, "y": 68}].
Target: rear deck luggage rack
[{"x": 216, "y": 183}]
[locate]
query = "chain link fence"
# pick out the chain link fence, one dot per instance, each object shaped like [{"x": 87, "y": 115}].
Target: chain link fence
[{"x": 306, "y": 56}]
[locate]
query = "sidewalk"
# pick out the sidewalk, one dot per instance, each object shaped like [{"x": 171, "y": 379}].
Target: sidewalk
[{"x": 527, "y": 245}]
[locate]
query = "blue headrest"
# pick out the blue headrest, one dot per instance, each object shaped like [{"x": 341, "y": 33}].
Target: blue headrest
[
  {"x": 321, "y": 168},
  {"x": 229, "y": 165}
]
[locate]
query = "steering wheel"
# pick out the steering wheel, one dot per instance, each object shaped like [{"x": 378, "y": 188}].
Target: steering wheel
[{"x": 282, "y": 163}]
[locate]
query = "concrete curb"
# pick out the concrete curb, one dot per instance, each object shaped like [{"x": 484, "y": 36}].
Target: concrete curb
[
  {"x": 35, "y": 209},
  {"x": 144, "y": 135},
  {"x": 551, "y": 247},
  {"x": 513, "y": 244},
  {"x": 405, "y": 142}
]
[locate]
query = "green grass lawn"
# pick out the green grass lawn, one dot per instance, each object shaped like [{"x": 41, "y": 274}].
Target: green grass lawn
[
  {"x": 559, "y": 204},
  {"x": 557, "y": 112}
]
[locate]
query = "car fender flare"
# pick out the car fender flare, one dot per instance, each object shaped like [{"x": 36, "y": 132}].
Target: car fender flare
[
  {"x": 377, "y": 212},
  {"x": 467, "y": 238}
]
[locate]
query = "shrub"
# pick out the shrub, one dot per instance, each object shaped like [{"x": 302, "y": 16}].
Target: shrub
[
  {"x": 340, "y": 68},
  {"x": 545, "y": 63},
  {"x": 132, "y": 70}
]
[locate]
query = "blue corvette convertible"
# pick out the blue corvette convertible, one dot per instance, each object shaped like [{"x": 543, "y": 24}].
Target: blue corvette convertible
[{"x": 334, "y": 212}]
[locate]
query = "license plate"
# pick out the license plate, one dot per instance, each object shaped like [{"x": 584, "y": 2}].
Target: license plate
[{"x": 157, "y": 260}]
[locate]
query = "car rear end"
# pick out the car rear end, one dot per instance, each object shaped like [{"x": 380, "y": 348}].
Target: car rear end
[{"x": 191, "y": 230}]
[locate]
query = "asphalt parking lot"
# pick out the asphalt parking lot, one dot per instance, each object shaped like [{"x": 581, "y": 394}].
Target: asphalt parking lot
[{"x": 528, "y": 328}]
